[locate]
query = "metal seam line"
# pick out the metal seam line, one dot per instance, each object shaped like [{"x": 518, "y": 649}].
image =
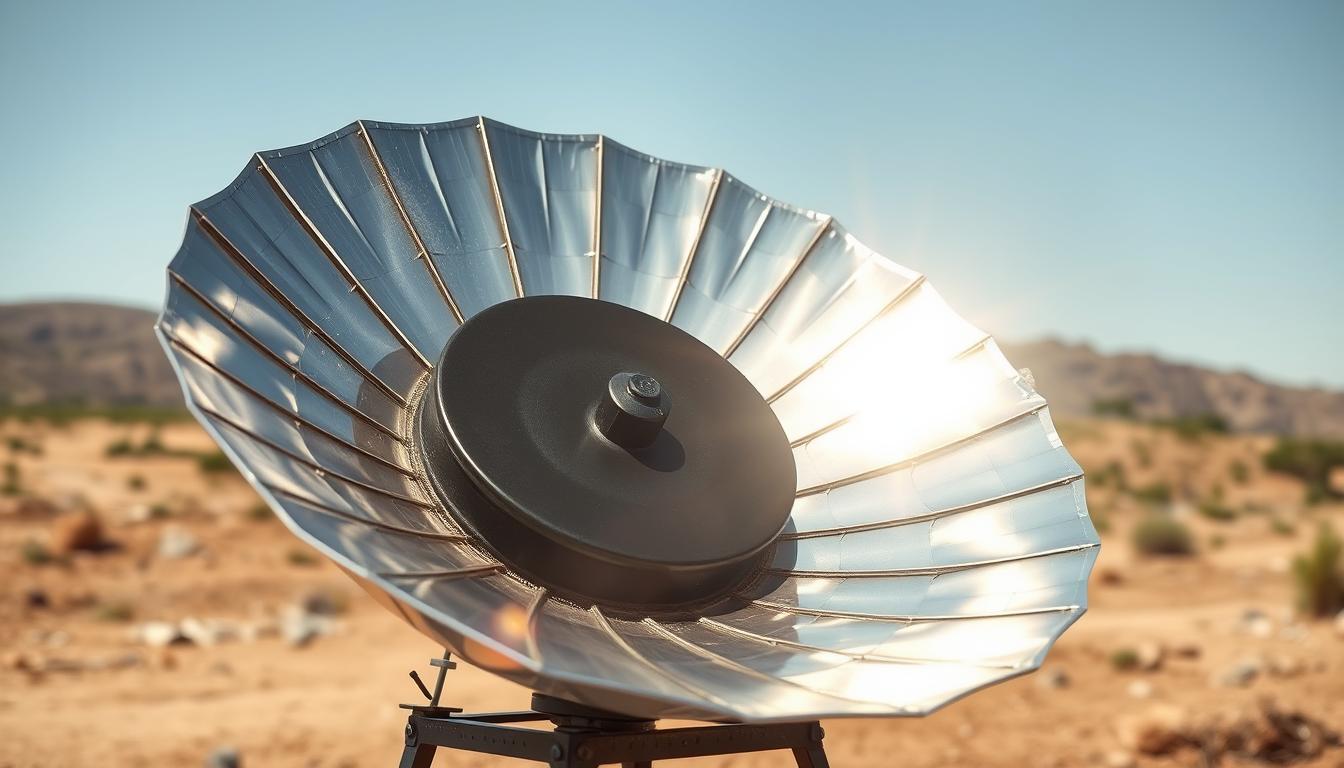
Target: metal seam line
[
  {"x": 813, "y": 435},
  {"x": 423, "y": 252},
  {"x": 265, "y": 283},
  {"x": 280, "y": 361},
  {"x": 335, "y": 258},
  {"x": 288, "y": 414},
  {"x": 499, "y": 207},
  {"x": 935, "y": 570},
  {"x": 534, "y": 610},
  {"x": 605, "y": 625},
  {"x": 695, "y": 244},
  {"x": 308, "y": 462},
  {"x": 356, "y": 519},
  {"x": 889, "y": 468},
  {"x": 597, "y": 223},
  {"x": 907, "y": 618},
  {"x": 907, "y": 291},
  {"x": 699, "y": 650},
  {"x": 825, "y": 227},
  {"x": 936, "y": 514},
  {"x": 447, "y": 573}
]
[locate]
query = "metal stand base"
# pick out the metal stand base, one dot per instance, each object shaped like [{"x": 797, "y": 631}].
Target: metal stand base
[{"x": 584, "y": 737}]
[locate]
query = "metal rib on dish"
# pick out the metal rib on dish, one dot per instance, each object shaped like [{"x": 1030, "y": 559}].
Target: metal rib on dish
[{"x": 939, "y": 541}]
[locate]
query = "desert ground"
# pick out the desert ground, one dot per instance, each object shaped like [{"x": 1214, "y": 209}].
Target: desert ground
[{"x": 188, "y": 627}]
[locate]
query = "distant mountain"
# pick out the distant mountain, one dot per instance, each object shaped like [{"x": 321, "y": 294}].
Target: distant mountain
[
  {"x": 1074, "y": 377},
  {"x": 100, "y": 354},
  {"x": 74, "y": 352}
]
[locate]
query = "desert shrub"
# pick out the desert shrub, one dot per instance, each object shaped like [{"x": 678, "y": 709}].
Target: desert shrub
[
  {"x": 1160, "y": 534},
  {"x": 35, "y": 553},
  {"x": 1318, "y": 575},
  {"x": 1217, "y": 541},
  {"x": 136, "y": 482},
  {"x": 1195, "y": 426},
  {"x": 160, "y": 511},
  {"x": 1113, "y": 474},
  {"x": 1142, "y": 454},
  {"x": 1216, "y": 511},
  {"x": 1114, "y": 407},
  {"x": 1309, "y": 460},
  {"x": 9, "y": 480},
  {"x": 1240, "y": 473},
  {"x": 115, "y": 611},
  {"x": 214, "y": 463},
  {"x": 259, "y": 513},
  {"x": 1124, "y": 659},
  {"x": 301, "y": 558},
  {"x": 1156, "y": 492},
  {"x": 122, "y": 447},
  {"x": 1282, "y": 527}
]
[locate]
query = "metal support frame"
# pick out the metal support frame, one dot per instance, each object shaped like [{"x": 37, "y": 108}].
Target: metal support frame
[
  {"x": 583, "y": 737},
  {"x": 493, "y": 733}
]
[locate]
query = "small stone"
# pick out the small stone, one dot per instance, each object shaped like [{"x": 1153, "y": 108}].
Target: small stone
[
  {"x": 159, "y": 634},
  {"x": 176, "y": 543},
  {"x": 224, "y": 757},
  {"x": 1187, "y": 651},
  {"x": 77, "y": 532},
  {"x": 162, "y": 658},
  {"x": 206, "y": 632},
  {"x": 36, "y": 598},
  {"x": 1119, "y": 758},
  {"x": 1239, "y": 675},
  {"x": 139, "y": 513},
  {"x": 1285, "y": 666},
  {"x": 1150, "y": 656},
  {"x": 1255, "y": 623},
  {"x": 1157, "y": 731},
  {"x": 323, "y": 602},
  {"x": 1052, "y": 678},
  {"x": 1110, "y": 577},
  {"x": 1140, "y": 689}
]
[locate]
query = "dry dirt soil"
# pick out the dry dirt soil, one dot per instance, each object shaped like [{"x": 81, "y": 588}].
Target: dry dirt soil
[{"x": 79, "y": 688}]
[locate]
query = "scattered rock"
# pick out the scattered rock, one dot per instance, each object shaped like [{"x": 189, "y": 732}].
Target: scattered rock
[
  {"x": 1187, "y": 651},
  {"x": 300, "y": 629},
  {"x": 323, "y": 602},
  {"x": 1110, "y": 577},
  {"x": 1286, "y": 666},
  {"x": 253, "y": 631},
  {"x": 176, "y": 543},
  {"x": 1157, "y": 731},
  {"x": 1150, "y": 656},
  {"x": 36, "y": 598},
  {"x": 1052, "y": 678},
  {"x": 77, "y": 532},
  {"x": 1239, "y": 675},
  {"x": 1140, "y": 689},
  {"x": 1255, "y": 623},
  {"x": 159, "y": 634},
  {"x": 1118, "y": 758},
  {"x": 208, "y": 631},
  {"x": 34, "y": 508},
  {"x": 224, "y": 757}
]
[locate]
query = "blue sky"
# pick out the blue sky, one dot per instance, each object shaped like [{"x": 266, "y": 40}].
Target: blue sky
[{"x": 1150, "y": 176}]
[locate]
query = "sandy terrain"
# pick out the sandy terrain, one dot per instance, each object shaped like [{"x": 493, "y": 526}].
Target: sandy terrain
[{"x": 78, "y": 688}]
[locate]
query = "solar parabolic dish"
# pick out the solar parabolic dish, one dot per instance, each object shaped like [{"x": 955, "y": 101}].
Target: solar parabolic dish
[{"x": 938, "y": 542}]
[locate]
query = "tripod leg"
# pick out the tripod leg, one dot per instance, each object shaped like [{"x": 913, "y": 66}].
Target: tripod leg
[
  {"x": 417, "y": 756},
  {"x": 811, "y": 757}
]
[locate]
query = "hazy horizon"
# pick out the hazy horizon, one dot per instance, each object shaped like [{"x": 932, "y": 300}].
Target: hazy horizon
[{"x": 1147, "y": 177}]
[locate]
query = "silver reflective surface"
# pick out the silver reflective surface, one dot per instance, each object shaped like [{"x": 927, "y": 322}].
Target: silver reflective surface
[{"x": 939, "y": 541}]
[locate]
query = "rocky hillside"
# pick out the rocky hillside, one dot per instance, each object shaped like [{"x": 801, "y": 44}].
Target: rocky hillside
[
  {"x": 99, "y": 354},
  {"x": 1075, "y": 377},
  {"x": 91, "y": 354}
]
